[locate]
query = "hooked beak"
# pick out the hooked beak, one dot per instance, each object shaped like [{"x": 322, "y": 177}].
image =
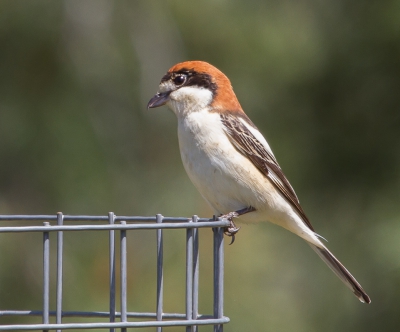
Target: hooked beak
[{"x": 159, "y": 99}]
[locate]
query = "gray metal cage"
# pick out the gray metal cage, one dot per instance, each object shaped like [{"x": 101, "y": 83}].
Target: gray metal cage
[{"x": 60, "y": 223}]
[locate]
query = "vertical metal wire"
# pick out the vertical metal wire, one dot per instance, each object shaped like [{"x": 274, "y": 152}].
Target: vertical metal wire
[
  {"x": 216, "y": 268},
  {"x": 160, "y": 276},
  {"x": 189, "y": 276},
  {"x": 218, "y": 276},
  {"x": 221, "y": 276},
  {"x": 123, "y": 276},
  {"x": 60, "y": 244},
  {"x": 46, "y": 275},
  {"x": 195, "y": 301},
  {"x": 111, "y": 220}
]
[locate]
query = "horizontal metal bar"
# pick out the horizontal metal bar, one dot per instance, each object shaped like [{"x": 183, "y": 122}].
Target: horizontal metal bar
[
  {"x": 108, "y": 325},
  {"x": 28, "y": 217},
  {"x": 15, "y": 229},
  {"x": 104, "y": 314}
]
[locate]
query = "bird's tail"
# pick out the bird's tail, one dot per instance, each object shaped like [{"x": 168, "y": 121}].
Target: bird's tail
[{"x": 341, "y": 272}]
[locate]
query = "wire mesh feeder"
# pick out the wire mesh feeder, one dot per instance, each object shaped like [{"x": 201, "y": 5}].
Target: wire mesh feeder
[{"x": 122, "y": 224}]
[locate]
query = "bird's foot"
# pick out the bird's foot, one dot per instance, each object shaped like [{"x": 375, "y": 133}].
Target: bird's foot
[{"x": 231, "y": 230}]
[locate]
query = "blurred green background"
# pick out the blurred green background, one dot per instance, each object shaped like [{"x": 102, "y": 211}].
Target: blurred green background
[{"x": 321, "y": 80}]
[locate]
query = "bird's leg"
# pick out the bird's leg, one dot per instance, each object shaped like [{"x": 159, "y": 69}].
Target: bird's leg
[{"x": 231, "y": 230}]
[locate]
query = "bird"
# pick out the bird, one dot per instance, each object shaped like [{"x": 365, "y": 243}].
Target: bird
[{"x": 230, "y": 162}]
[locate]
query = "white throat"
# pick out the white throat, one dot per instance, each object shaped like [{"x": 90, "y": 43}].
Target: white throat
[{"x": 189, "y": 99}]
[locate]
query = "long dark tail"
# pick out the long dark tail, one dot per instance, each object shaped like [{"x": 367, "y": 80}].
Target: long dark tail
[{"x": 342, "y": 273}]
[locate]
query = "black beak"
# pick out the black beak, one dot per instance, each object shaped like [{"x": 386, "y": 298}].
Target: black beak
[{"x": 158, "y": 100}]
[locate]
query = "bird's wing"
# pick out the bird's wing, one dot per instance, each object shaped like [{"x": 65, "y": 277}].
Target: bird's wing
[{"x": 247, "y": 144}]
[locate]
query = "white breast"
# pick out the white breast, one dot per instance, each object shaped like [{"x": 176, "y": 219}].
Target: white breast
[{"x": 215, "y": 167}]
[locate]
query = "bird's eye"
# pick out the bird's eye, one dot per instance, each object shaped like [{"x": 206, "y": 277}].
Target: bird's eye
[{"x": 180, "y": 79}]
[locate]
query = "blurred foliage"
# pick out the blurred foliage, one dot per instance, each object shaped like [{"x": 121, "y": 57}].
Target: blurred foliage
[{"x": 319, "y": 78}]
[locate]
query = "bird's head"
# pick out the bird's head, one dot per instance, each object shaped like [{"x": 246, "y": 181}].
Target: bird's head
[{"x": 193, "y": 86}]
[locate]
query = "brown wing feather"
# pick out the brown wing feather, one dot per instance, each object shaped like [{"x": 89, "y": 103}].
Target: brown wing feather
[{"x": 245, "y": 142}]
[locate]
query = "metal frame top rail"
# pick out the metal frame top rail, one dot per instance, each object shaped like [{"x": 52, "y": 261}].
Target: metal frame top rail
[
  {"x": 123, "y": 225},
  {"x": 66, "y": 217}
]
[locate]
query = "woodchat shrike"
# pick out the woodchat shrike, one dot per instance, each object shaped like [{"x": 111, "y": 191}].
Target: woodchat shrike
[{"x": 230, "y": 162}]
